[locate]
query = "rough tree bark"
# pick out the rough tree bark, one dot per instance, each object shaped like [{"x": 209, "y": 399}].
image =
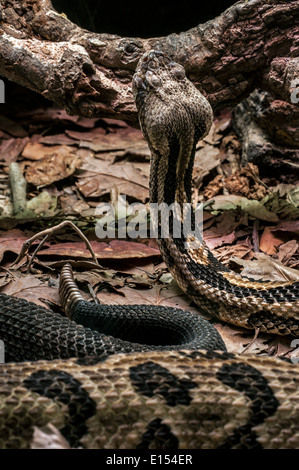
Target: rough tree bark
[
  {"x": 252, "y": 44},
  {"x": 269, "y": 132}
]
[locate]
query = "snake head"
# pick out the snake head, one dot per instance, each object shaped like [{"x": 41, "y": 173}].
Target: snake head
[
  {"x": 156, "y": 72},
  {"x": 164, "y": 95}
]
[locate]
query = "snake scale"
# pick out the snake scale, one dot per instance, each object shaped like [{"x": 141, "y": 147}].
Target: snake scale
[{"x": 155, "y": 378}]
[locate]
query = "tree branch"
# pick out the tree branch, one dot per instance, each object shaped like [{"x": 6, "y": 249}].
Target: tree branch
[{"x": 252, "y": 44}]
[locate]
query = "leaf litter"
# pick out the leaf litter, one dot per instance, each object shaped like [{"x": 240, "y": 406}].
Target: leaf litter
[{"x": 72, "y": 164}]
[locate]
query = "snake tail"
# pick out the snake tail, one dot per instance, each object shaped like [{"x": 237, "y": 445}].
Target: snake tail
[{"x": 155, "y": 327}]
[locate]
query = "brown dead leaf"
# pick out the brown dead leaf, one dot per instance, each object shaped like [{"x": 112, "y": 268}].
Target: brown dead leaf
[
  {"x": 10, "y": 149},
  {"x": 168, "y": 296},
  {"x": 88, "y": 123},
  {"x": 291, "y": 226},
  {"x": 32, "y": 289},
  {"x": 72, "y": 204},
  {"x": 215, "y": 242},
  {"x": 95, "y": 278},
  {"x": 236, "y": 339},
  {"x": 269, "y": 242},
  {"x": 238, "y": 185},
  {"x": 99, "y": 177},
  {"x": 116, "y": 249},
  {"x": 58, "y": 163},
  {"x": 266, "y": 268},
  {"x": 52, "y": 114},
  {"x": 138, "y": 266},
  {"x": 226, "y": 253},
  {"x": 95, "y": 134},
  {"x": 96, "y": 186},
  {"x": 37, "y": 151},
  {"x": 11, "y": 241},
  {"x": 48, "y": 437},
  {"x": 287, "y": 250},
  {"x": 57, "y": 139},
  {"x": 213, "y": 188},
  {"x": 224, "y": 224},
  {"x": 244, "y": 182},
  {"x": 206, "y": 159},
  {"x": 122, "y": 140}
]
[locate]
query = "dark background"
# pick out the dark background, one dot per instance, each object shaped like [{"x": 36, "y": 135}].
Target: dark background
[{"x": 142, "y": 18}]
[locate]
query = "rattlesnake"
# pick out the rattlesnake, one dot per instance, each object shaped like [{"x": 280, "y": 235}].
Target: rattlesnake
[{"x": 155, "y": 386}]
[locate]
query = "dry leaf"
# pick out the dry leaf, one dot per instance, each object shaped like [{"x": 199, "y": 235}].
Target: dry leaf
[
  {"x": 287, "y": 250},
  {"x": 58, "y": 163},
  {"x": 168, "y": 296},
  {"x": 31, "y": 288},
  {"x": 10, "y": 149},
  {"x": 48, "y": 437},
  {"x": 236, "y": 339},
  {"x": 226, "y": 253},
  {"x": 91, "y": 136},
  {"x": 269, "y": 242},
  {"x": 72, "y": 204},
  {"x": 206, "y": 159},
  {"x": 266, "y": 268},
  {"x": 219, "y": 241},
  {"x": 224, "y": 224},
  {"x": 122, "y": 140},
  {"x": 99, "y": 177},
  {"x": 56, "y": 139},
  {"x": 116, "y": 249},
  {"x": 244, "y": 182},
  {"x": 291, "y": 226},
  {"x": 11, "y": 241}
]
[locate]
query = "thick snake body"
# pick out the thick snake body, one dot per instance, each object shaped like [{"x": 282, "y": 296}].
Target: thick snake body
[
  {"x": 174, "y": 116},
  {"x": 154, "y": 378}
]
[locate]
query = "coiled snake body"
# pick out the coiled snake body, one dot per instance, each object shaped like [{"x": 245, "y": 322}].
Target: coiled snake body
[{"x": 140, "y": 377}]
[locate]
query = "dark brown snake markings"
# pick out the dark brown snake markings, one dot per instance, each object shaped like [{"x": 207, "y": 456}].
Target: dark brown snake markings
[
  {"x": 151, "y": 379},
  {"x": 63, "y": 388},
  {"x": 138, "y": 378}
]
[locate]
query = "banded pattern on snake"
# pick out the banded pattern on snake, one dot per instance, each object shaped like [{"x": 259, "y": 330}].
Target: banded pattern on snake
[{"x": 152, "y": 378}]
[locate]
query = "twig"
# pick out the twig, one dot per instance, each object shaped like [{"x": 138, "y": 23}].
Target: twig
[
  {"x": 35, "y": 252},
  {"x": 204, "y": 205},
  {"x": 18, "y": 188},
  {"x": 220, "y": 172},
  {"x": 8, "y": 271},
  {"x": 255, "y": 237},
  {"x": 50, "y": 231},
  {"x": 92, "y": 293},
  {"x": 256, "y": 333}
]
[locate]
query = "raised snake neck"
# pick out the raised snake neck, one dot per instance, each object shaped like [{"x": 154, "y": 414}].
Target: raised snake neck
[
  {"x": 118, "y": 393},
  {"x": 173, "y": 115}
]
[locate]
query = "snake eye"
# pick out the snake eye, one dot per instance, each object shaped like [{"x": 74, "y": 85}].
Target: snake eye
[
  {"x": 152, "y": 79},
  {"x": 177, "y": 70}
]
